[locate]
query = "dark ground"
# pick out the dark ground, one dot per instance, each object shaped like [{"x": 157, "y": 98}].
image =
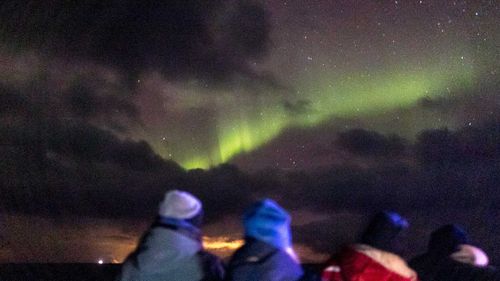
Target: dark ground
[
  {"x": 58, "y": 272},
  {"x": 67, "y": 271}
]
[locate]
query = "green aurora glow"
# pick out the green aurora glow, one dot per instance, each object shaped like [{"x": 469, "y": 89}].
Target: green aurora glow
[{"x": 246, "y": 128}]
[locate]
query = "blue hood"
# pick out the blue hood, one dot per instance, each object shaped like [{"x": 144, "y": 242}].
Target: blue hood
[{"x": 266, "y": 221}]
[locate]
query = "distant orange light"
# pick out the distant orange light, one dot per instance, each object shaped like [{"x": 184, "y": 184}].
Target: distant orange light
[{"x": 221, "y": 243}]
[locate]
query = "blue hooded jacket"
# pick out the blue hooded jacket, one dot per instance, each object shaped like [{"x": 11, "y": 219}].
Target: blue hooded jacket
[{"x": 266, "y": 253}]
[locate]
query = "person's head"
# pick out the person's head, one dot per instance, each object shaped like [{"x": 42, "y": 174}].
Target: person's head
[
  {"x": 266, "y": 221},
  {"x": 383, "y": 230},
  {"x": 447, "y": 240},
  {"x": 181, "y": 206}
]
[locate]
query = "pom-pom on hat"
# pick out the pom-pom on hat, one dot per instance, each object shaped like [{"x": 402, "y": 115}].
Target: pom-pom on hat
[
  {"x": 266, "y": 221},
  {"x": 179, "y": 205}
]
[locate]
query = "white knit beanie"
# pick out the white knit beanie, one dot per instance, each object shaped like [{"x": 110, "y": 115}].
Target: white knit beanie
[{"x": 179, "y": 205}]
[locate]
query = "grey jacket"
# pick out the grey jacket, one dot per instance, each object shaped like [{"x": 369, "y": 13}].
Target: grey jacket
[{"x": 164, "y": 254}]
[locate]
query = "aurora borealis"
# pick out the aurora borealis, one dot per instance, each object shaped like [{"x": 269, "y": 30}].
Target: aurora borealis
[
  {"x": 245, "y": 129},
  {"x": 373, "y": 63},
  {"x": 334, "y": 108}
]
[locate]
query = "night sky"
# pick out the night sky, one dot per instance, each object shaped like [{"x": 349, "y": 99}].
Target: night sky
[{"x": 337, "y": 109}]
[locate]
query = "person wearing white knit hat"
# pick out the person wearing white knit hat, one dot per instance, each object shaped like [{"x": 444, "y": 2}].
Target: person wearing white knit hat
[
  {"x": 179, "y": 205},
  {"x": 172, "y": 248}
]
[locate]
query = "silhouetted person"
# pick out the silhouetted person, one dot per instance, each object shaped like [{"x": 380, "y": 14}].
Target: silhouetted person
[
  {"x": 267, "y": 254},
  {"x": 449, "y": 257},
  {"x": 374, "y": 257},
  {"x": 172, "y": 247}
]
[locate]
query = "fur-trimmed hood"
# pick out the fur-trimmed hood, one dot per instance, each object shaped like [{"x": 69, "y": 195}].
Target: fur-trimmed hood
[
  {"x": 471, "y": 255},
  {"x": 363, "y": 262},
  {"x": 388, "y": 260}
]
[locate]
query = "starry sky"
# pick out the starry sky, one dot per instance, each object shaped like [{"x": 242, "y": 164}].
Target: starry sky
[
  {"x": 344, "y": 106},
  {"x": 342, "y": 60}
]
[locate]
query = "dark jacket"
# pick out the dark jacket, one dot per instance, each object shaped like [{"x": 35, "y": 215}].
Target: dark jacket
[
  {"x": 257, "y": 260},
  {"x": 434, "y": 268},
  {"x": 450, "y": 258}
]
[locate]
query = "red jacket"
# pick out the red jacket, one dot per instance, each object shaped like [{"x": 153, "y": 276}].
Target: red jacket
[{"x": 365, "y": 263}]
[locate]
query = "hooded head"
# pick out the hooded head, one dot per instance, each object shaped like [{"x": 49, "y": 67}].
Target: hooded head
[
  {"x": 266, "y": 221},
  {"x": 180, "y": 207},
  {"x": 383, "y": 230},
  {"x": 447, "y": 240}
]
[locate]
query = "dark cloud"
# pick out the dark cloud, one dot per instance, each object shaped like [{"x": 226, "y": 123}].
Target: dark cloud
[
  {"x": 87, "y": 100},
  {"x": 299, "y": 107},
  {"x": 225, "y": 190},
  {"x": 473, "y": 106},
  {"x": 244, "y": 29},
  {"x": 183, "y": 39},
  {"x": 11, "y": 103},
  {"x": 429, "y": 103},
  {"x": 370, "y": 143},
  {"x": 468, "y": 146},
  {"x": 443, "y": 167},
  {"x": 329, "y": 235},
  {"x": 439, "y": 146},
  {"x": 92, "y": 144},
  {"x": 73, "y": 168},
  {"x": 84, "y": 98}
]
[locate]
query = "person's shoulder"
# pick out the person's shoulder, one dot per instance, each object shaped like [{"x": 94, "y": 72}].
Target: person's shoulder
[
  {"x": 419, "y": 258},
  {"x": 464, "y": 271},
  {"x": 488, "y": 273},
  {"x": 209, "y": 257},
  {"x": 423, "y": 260},
  {"x": 212, "y": 266},
  {"x": 254, "y": 251}
]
